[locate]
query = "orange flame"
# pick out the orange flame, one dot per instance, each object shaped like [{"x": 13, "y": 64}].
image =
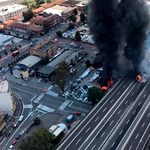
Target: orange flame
[
  {"x": 138, "y": 78},
  {"x": 91, "y": 67},
  {"x": 110, "y": 82}
]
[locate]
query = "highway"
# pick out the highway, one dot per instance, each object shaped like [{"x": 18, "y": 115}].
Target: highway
[{"x": 98, "y": 127}]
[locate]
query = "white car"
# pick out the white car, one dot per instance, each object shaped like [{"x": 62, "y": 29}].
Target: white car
[
  {"x": 16, "y": 76},
  {"x": 39, "y": 80},
  {"x": 5, "y": 58},
  {"x": 10, "y": 148},
  {"x": 20, "y": 118}
]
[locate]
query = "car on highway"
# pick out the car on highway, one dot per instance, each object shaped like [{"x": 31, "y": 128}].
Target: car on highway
[
  {"x": 14, "y": 142},
  {"x": 10, "y": 148},
  {"x": 20, "y": 118},
  {"x": 18, "y": 136},
  {"x": 5, "y": 58}
]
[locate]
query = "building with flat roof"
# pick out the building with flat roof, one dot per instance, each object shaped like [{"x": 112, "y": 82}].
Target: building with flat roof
[
  {"x": 43, "y": 49},
  {"x": 7, "y": 104},
  {"x": 28, "y": 63},
  {"x": 45, "y": 72},
  {"x": 5, "y": 39},
  {"x": 67, "y": 55},
  {"x": 9, "y": 11}
]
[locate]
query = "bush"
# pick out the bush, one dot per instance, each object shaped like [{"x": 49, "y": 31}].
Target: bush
[
  {"x": 71, "y": 26},
  {"x": 59, "y": 33},
  {"x": 88, "y": 63},
  {"x": 68, "y": 126},
  {"x": 37, "y": 121}
]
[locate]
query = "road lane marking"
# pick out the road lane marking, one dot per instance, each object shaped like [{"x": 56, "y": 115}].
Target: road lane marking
[
  {"x": 137, "y": 136},
  {"x": 87, "y": 130},
  {"x": 127, "y": 121},
  {"x": 104, "y": 109},
  {"x": 144, "y": 95},
  {"x": 111, "y": 100},
  {"x": 133, "y": 112},
  {"x": 119, "y": 112},
  {"x": 132, "y": 94},
  {"x": 126, "y": 102},
  {"x": 118, "y": 93},
  {"x": 111, "y": 123},
  {"x": 124, "y": 86},
  {"x": 148, "y": 115},
  {"x": 120, "y": 132},
  {"x": 130, "y": 147},
  {"x": 139, "y": 103},
  {"x": 103, "y": 134},
  {"x": 143, "y": 124},
  {"x": 112, "y": 144},
  {"x": 70, "y": 104},
  {"x": 93, "y": 147},
  {"x": 78, "y": 141},
  {"x": 96, "y": 119}
]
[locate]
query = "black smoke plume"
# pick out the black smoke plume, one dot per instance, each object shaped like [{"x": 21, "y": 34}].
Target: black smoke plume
[
  {"x": 134, "y": 19},
  {"x": 107, "y": 19},
  {"x": 105, "y": 33}
]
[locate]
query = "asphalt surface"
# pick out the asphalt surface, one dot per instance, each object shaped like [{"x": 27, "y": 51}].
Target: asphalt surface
[{"x": 98, "y": 126}]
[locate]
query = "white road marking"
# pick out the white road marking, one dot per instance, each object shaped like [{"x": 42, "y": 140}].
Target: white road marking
[
  {"x": 133, "y": 112},
  {"x": 111, "y": 100},
  {"x": 143, "y": 124},
  {"x": 93, "y": 147},
  {"x": 96, "y": 119},
  {"x": 78, "y": 141},
  {"x": 112, "y": 144},
  {"x": 144, "y": 95},
  {"x": 118, "y": 93},
  {"x": 126, "y": 102},
  {"x": 139, "y": 103},
  {"x": 137, "y": 136},
  {"x": 130, "y": 148},
  {"x": 119, "y": 112},
  {"x": 103, "y": 134},
  {"x": 70, "y": 104},
  {"x": 148, "y": 115},
  {"x": 124, "y": 86},
  {"x": 87, "y": 130},
  {"x": 104, "y": 109},
  {"x": 120, "y": 132},
  {"x": 127, "y": 122},
  {"x": 111, "y": 123},
  {"x": 132, "y": 94}
]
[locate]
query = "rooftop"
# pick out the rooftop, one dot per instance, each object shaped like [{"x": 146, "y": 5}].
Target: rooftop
[
  {"x": 30, "y": 61},
  {"x": 66, "y": 55},
  {"x": 46, "y": 70},
  {"x": 53, "y": 11},
  {"x": 37, "y": 20},
  {"x": 38, "y": 10},
  {"x": 10, "y": 8},
  {"x": 4, "y": 38},
  {"x": 44, "y": 45}
]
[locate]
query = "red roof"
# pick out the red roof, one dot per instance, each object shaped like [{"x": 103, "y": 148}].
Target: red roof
[
  {"x": 38, "y": 10},
  {"x": 37, "y": 20},
  {"x": 18, "y": 25},
  {"x": 33, "y": 27},
  {"x": 52, "y": 3}
]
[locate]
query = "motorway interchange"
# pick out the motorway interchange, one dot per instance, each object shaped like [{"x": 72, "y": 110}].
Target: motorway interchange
[{"x": 120, "y": 121}]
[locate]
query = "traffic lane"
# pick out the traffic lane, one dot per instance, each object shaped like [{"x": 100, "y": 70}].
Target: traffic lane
[
  {"x": 122, "y": 82},
  {"x": 139, "y": 131},
  {"x": 125, "y": 126},
  {"x": 134, "y": 111},
  {"x": 102, "y": 134},
  {"x": 93, "y": 117}
]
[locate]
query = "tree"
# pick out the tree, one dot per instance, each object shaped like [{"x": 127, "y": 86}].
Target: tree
[
  {"x": 28, "y": 14},
  {"x": 44, "y": 60},
  {"x": 74, "y": 18},
  {"x": 2, "y": 31},
  {"x": 0, "y": 56},
  {"x": 11, "y": 50},
  {"x": 71, "y": 26},
  {"x": 48, "y": 1},
  {"x": 82, "y": 17},
  {"x": 75, "y": 11},
  {"x": 88, "y": 63},
  {"x": 94, "y": 94},
  {"x": 59, "y": 33},
  {"x": 38, "y": 2},
  {"x": 25, "y": 2},
  {"x": 37, "y": 121},
  {"x": 78, "y": 36},
  {"x": 6, "y": 53},
  {"x": 39, "y": 140},
  {"x": 61, "y": 71}
]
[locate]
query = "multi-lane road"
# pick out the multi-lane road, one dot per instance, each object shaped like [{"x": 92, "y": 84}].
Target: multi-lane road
[{"x": 108, "y": 123}]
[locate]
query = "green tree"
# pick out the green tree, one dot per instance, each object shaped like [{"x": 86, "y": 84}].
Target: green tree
[
  {"x": 2, "y": 31},
  {"x": 74, "y": 18},
  {"x": 78, "y": 36},
  {"x": 25, "y": 2},
  {"x": 38, "y": 2},
  {"x": 88, "y": 63},
  {"x": 8, "y": 65},
  {"x": 59, "y": 33},
  {"x": 37, "y": 121},
  {"x": 6, "y": 53},
  {"x": 11, "y": 50},
  {"x": 44, "y": 60},
  {"x": 28, "y": 14},
  {"x": 94, "y": 94},
  {"x": 48, "y": 1},
  {"x": 61, "y": 71},
  {"x": 71, "y": 26},
  {"x": 75, "y": 11},
  {"x": 82, "y": 17},
  {"x": 39, "y": 140}
]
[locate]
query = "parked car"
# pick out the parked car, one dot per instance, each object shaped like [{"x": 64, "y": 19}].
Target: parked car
[
  {"x": 10, "y": 148},
  {"x": 76, "y": 113},
  {"x": 18, "y": 136},
  {"x": 39, "y": 80},
  {"x": 14, "y": 142}
]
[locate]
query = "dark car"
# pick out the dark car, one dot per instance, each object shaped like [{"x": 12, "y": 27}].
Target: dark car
[{"x": 18, "y": 136}]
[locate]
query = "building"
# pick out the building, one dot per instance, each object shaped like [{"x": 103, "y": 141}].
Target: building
[
  {"x": 45, "y": 72},
  {"x": 52, "y": 21},
  {"x": 7, "y": 104},
  {"x": 2, "y": 121},
  {"x": 38, "y": 20},
  {"x": 28, "y": 63},
  {"x": 5, "y": 39},
  {"x": 9, "y": 11},
  {"x": 43, "y": 49},
  {"x": 80, "y": 6},
  {"x": 67, "y": 55}
]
